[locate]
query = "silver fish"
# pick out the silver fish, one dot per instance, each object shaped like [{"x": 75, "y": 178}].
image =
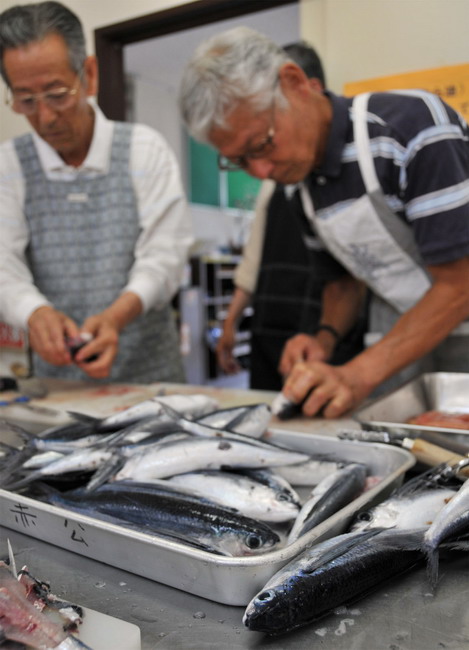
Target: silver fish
[
  {"x": 415, "y": 504},
  {"x": 252, "y": 420},
  {"x": 83, "y": 460},
  {"x": 190, "y": 405},
  {"x": 249, "y": 497},
  {"x": 330, "y": 495},
  {"x": 453, "y": 519},
  {"x": 199, "y": 454},
  {"x": 311, "y": 472},
  {"x": 416, "y": 510}
]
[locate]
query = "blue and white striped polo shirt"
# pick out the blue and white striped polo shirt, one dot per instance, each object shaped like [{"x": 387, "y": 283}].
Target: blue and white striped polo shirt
[{"x": 420, "y": 148}]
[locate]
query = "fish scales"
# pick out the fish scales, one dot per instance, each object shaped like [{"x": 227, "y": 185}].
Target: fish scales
[
  {"x": 331, "y": 574},
  {"x": 230, "y": 532},
  {"x": 201, "y": 454}
]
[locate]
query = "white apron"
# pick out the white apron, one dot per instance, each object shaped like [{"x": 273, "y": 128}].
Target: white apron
[{"x": 379, "y": 248}]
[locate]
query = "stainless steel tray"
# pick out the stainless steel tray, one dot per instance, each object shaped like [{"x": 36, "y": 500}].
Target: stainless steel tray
[
  {"x": 232, "y": 581},
  {"x": 442, "y": 391}
]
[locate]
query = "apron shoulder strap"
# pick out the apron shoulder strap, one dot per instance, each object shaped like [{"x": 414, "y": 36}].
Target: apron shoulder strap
[{"x": 362, "y": 143}]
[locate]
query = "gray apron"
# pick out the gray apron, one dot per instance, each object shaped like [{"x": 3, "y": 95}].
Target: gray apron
[
  {"x": 379, "y": 249},
  {"x": 82, "y": 241}
]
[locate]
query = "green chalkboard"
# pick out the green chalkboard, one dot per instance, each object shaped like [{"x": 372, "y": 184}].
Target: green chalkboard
[
  {"x": 204, "y": 174},
  {"x": 242, "y": 190},
  {"x": 206, "y": 180}
]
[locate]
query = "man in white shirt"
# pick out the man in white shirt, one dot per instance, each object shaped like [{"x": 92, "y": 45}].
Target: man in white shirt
[{"x": 94, "y": 231}]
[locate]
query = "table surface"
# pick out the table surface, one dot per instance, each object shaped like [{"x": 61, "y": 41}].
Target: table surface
[{"x": 400, "y": 615}]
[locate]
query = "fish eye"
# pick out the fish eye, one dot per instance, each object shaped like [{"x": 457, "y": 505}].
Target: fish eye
[
  {"x": 253, "y": 542},
  {"x": 364, "y": 516},
  {"x": 265, "y": 596},
  {"x": 282, "y": 497}
]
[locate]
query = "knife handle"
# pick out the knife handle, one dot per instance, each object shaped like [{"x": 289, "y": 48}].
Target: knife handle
[{"x": 433, "y": 455}]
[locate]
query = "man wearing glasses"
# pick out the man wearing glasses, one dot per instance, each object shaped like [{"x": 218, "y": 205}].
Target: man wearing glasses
[
  {"x": 94, "y": 231},
  {"x": 384, "y": 181},
  {"x": 283, "y": 272}
]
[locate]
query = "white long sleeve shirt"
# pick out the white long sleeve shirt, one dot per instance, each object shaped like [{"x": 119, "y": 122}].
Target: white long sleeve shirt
[{"x": 166, "y": 229}]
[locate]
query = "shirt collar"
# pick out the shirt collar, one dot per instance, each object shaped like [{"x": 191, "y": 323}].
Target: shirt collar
[
  {"x": 340, "y": 125},
  {"x": 97, "y": 159}
]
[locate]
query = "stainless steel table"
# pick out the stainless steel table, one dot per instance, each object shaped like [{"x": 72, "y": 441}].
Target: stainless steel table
[{"x": 400, "y": 615}]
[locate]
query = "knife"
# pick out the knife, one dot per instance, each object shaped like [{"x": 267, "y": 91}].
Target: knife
[{"x": 425, "y": 452}]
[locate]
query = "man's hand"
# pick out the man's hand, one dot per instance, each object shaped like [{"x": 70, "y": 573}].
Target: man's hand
[
  {"x": 96, "y": 357},
  {"x": 304, "y": 347},
  {"x": 329, "y": 389},
  {"x": 47, "y": 329},
  {"x": 224, "y": 351}
]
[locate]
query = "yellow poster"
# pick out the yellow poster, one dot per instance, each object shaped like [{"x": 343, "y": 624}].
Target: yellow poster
[{"x": 451, "y": 83}]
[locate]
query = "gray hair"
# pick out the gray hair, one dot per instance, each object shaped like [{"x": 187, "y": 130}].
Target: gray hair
[
  {"x": 25, "y": 24},
  {"x": 237, "y": 66}
]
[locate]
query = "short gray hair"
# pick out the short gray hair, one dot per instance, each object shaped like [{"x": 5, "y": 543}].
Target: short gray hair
[
  {"x": 24, "y": 24},
  {"x": 236, "y": 66}
]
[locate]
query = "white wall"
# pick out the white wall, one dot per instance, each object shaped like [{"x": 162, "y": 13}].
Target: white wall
[
  {"x": 361, "y": 39},
  {"x": 357, "y": 39},
  {"x": 93, "y": 14}
]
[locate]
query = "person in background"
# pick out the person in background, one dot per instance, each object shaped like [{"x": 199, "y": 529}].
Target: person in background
[
  {"x": 384, "y": 180},
  {"x": 94, "y": 230},
  {"x": 283, "y": 272}
]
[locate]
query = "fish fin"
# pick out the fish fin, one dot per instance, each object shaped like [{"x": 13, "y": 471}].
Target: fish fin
[
  {"x": 15, "y": 428},
  {"x": 108, "y": 469},
  {"x": 83, "y": 417},
  {"x": 344, "y": 545},
  {"x": 170, "y": 412}
]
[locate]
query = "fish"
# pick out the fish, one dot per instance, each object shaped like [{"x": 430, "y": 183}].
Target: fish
[
  {"x": 252, "y": 420},
  {"x": 23, "y": 622},
  {"x": 273, "y": 480},
  {"x": 82, "y": 460},
  {"x": 196, "y": 454},
  {"x": 246, "y": 495},
  {"x": 191, "y": 405},
  {"x": 198, "y": 428},
  {"x": 329, "y": 496},
  {"x": 229, "y": 532},
  {"x": 415, "y": 504},
  {"x": 331, "y": 574},
  {"x": 284, "y": 408},
  {"x": 310, "y": 472},
  {"x": 452, "y": 520}
]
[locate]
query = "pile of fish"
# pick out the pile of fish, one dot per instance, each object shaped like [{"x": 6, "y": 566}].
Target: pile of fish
[
  {"x": 178, "y": 466},
  {"x": 429, "y": 513},
  {"x": 33, "y": 616}
]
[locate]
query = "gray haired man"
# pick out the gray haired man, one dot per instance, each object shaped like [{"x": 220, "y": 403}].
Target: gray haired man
[{"x": 384, "y": 180}]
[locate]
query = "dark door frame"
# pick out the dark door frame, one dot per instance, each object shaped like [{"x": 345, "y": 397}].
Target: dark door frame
[{"x": 110, "y": 40}]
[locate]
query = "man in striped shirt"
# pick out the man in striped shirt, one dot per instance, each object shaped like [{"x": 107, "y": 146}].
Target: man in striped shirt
[{"x": 384, "y": 180}]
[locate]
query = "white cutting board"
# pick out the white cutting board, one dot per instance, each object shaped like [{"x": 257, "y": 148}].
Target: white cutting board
[{"x": 103, "y": 632}]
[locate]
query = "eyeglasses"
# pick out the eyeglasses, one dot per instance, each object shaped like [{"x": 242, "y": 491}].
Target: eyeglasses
[
  {"x": 57, "y": 99},
  {"x": 262, "y": 150}
]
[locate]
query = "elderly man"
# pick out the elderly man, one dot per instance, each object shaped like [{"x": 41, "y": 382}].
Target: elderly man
[
  {"x": 384, "y": 182},
  {"x": 94, "y": 231},
  {"x": 283, "y": 273}
]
